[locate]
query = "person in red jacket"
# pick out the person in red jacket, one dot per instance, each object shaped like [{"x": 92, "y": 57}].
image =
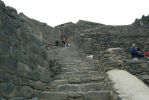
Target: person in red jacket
[{"x": 146, "y": 54}]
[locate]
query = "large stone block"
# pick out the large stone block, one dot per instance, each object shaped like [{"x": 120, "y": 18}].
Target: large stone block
[
  {"x": 38, "y": 50},
  {"x": 35, "y": 40},
  {"x": 35, "y": 75},
  {"x": 3, "y": 77},
  {"x": 25, "y": 34},
  {"x": 8, "y": 65},
  {"x": 7, "y": 39},
  {"x": 55, "y": 67},
  {"x": 15, "y": 53},
  {"x": 6, "y": 89},
  {"x": 27, "y": 58},
  {"x": 37, "y": 85},
  {"x": 4, "y": 49},
  {"x": 23, "y": 91},
  {"x": 39, "y": 60},
  {"x": 23, "y": 70},
  {"x": 45, "y": 75},
  {"x": 30, "y": 60}
]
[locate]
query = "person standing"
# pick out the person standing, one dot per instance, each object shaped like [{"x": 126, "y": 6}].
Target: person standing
[{"x": 57, "y": 42}]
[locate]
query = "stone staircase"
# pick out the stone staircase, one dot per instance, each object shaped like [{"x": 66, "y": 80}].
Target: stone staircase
[{"x": 79, "y": 80}]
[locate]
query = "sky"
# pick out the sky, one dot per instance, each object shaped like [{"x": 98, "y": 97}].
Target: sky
[{"x": 56, "y": 12}]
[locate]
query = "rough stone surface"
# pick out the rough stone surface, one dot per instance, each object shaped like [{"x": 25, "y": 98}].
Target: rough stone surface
[{"x": 24, "y": 61}]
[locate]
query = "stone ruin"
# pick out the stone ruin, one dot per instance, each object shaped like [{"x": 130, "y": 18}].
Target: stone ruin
[{"x": 30, "y": 72}]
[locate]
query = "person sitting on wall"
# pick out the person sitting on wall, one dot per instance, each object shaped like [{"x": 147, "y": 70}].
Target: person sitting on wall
[
  {"x": 146, "y": 54},
  {"x": 136, "y": 52},
  {"x": 140, "y": 53}
]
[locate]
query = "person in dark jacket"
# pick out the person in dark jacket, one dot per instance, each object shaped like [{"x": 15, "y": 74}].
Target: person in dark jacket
[
  {"x": 57, "y": 42},
  {"x": 136, "y": 52}
]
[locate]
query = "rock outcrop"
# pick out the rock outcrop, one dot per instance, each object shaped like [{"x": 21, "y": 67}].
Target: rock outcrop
[{"x": 144, "y": 21}]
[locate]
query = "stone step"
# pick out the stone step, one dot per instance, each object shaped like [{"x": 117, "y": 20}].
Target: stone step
[
  {"x": 82, "y": 72},
  {"x": 76, "y": 87},
  {"x": 90, "y": 95},
  {"x": 77, "y": 69},
  {"x": 74, "y": 79}
]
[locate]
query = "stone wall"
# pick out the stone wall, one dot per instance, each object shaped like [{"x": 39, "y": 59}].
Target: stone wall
[
  {"x": 24, "y": 64},
  {"x": 98, "y": 39},
  {"x": 110, "y": 45},
  {"x": 117, "y": 59},
  {"x": 70, "y": 29}
]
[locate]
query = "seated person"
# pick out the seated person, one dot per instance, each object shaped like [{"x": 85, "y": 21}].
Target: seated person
[
  {"x": 140, "y": 53},
  {"x": 136, "y": 52},
  {"x": 146, "y": 54}
]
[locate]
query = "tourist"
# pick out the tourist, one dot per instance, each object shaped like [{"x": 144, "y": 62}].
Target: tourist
[
  {"x": 57, "y": 42},
  {"x": 136, "y": 52},
  {"x": 146, "y": 54},
  {"x": 133, "y": 51},
  {"x": 63, "y": 42},
  {"x": 140, "y": 53}
]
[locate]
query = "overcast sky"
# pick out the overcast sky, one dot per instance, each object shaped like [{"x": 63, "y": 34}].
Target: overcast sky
[{"x": 55, "y": 12}]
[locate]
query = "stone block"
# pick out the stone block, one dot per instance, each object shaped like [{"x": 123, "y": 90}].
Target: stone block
[
  {"x": 39, "y": 60},
  {"x": 8, "y": 64},
  {"x": 68, "y": 88},
  {"x": 23, "y": 70},
  {"x": 28, "y": 59},
  {"x": 38, "y": 85},
  {"x": 51, "y": 96},
  {"x": 59, "y": 82},
  {"x": 3, "y": 77},
  {"x": 97, "y": 95},
  {"x": 15, "y": 53},
  {"x": 92, "y": 87},
  {"x": 25, "y": 35},
  {"x": 76, "y": 95},
  {"x": 35, "y": 40},
  {"x": 38, "y": 50},
  {"x": 6, "y": 89},
  {"x": 4, "y": 49},
  {"x": 35, "y": 75},
  {"x": 55, "y": 67},
  {"x": 45, "y": 75},
  {"x": 7, "y": 39},
  {"x": 23, "y": 91}
]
